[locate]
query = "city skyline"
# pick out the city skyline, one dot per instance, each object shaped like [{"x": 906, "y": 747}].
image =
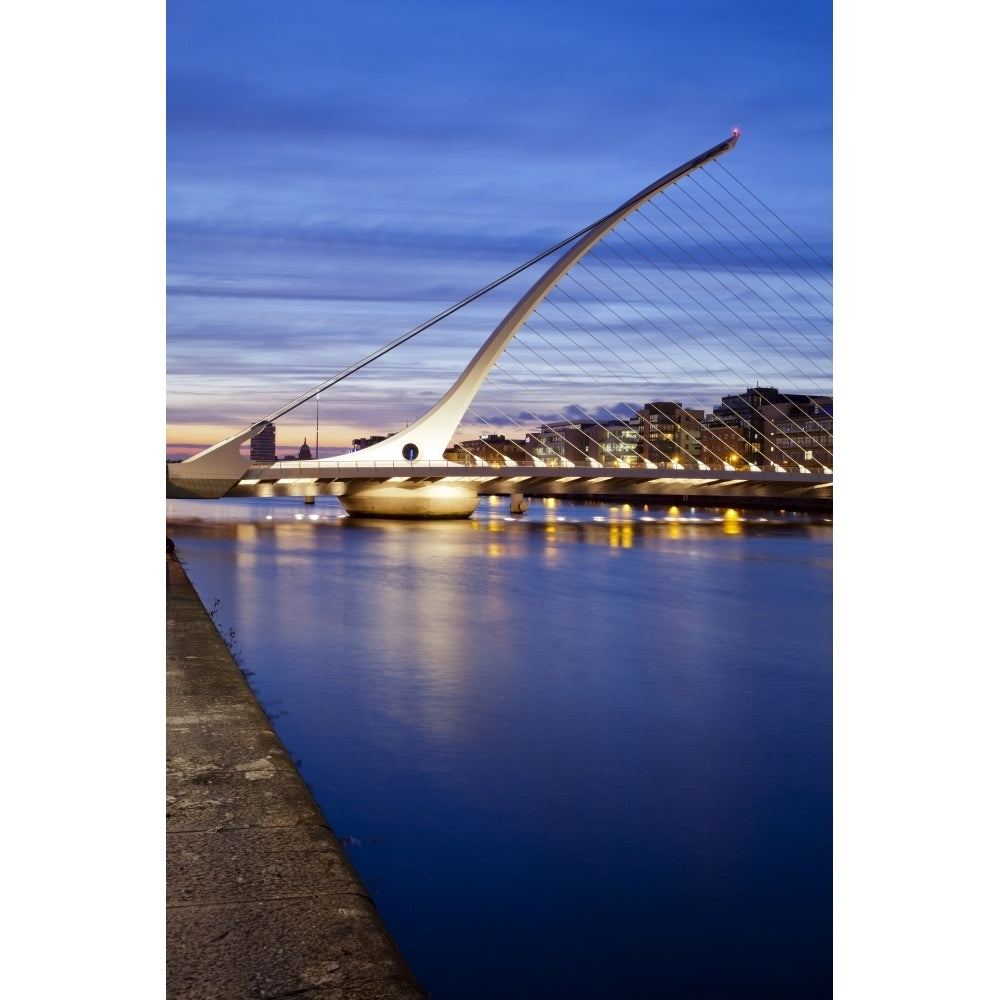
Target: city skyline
[{"x": 337, "y": 175}]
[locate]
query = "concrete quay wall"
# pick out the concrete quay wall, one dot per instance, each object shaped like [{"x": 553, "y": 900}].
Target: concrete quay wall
[{"x": 262, "y": 900}]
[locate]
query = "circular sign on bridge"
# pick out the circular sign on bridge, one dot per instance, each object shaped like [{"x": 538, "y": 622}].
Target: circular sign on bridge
[{"x": 410, "y": 452}]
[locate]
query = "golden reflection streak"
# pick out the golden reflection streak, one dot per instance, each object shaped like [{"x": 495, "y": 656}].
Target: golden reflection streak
[
  {"x": 551, "y": 550},
  {"x": 621, "y": 535}
]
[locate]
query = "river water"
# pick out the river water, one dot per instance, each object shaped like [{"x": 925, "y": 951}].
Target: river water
[{"x": 581, "y": 753}]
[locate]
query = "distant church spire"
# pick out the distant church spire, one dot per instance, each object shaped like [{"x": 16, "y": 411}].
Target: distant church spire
[{"x": 304, "y": 453}]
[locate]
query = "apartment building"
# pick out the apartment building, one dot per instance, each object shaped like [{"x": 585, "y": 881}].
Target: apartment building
[
  {"x": 493, "y": 449},
  {"x": 669, "y": 434},
  {"x": 765, "y": 427}
]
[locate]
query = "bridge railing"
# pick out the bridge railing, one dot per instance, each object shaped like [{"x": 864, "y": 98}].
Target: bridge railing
[{"x": 310, "y": 469}]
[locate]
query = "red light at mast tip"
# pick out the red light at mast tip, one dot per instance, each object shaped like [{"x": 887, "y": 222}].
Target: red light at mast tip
[{"x": 736, "y": 133}]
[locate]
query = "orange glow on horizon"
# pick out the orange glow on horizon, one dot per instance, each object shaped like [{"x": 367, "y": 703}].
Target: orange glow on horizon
[{"x": 185, "y": 440}]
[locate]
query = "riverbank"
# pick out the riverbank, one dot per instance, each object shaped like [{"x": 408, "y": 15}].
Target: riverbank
[{"x": 262, "y": 900}]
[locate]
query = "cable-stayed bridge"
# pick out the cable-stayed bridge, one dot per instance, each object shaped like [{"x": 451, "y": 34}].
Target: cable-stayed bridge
[{"x": 680, "y": 347}]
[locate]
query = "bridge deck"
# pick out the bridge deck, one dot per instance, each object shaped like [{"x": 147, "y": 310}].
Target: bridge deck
[{"x": 313, "y": 479}]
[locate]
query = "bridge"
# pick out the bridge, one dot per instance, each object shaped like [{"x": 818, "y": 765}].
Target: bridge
[{"x": 688, "y": 289}]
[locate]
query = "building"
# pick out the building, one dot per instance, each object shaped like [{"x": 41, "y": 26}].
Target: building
[
  {"x": 262, "y": 446},
  {"x": 764, "y": 427},
  {"x": 669, "y": 434},
  {"x": 564, "y": 443},
  {"x": 609, "y": 443},
  {"x": 662, "y": 433},
  {"x": 358, "y": 443},
  {"x": 723, "y": 445},
  {"x": 493, "y": 449},
  {"x": 305, "y": 453},
  {"x": 802, "y": 436},
  {"x": 613, "y": 443}
]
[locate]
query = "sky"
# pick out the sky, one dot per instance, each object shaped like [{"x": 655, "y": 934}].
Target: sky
[{"x": 337, "y": 173}]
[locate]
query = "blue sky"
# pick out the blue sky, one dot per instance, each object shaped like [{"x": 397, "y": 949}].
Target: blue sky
[{"x": 339, "y": 172}]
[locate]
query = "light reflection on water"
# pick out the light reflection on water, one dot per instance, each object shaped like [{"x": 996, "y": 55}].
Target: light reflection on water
[{"x": 586, "y": 749}]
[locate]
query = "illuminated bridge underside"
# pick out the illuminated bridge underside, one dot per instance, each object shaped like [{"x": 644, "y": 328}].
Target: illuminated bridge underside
[{"x": 350, "y": 483}]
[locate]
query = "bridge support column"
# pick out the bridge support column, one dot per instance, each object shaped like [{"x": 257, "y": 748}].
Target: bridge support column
[{"x": 417, "y": 500}]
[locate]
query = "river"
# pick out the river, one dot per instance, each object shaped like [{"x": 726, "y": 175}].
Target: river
[{"x": 581, "y": 753}]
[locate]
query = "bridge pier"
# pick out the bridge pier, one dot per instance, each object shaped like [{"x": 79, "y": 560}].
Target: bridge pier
[{"x": 415, "y": 500}]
